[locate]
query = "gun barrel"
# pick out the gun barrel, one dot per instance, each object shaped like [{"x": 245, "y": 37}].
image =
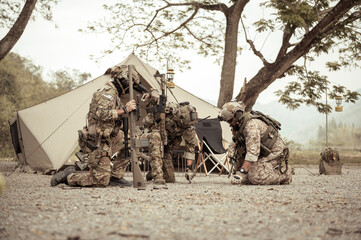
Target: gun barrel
[{"x": 138, "y": 180}]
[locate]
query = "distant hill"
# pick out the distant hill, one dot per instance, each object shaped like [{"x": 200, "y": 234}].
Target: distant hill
[{"x": 302, "y": 124}]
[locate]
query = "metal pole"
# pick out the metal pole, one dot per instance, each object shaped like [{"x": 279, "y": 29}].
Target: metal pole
[{"x": 326, "y": 120}]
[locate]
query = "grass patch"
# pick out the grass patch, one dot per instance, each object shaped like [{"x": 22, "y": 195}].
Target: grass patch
[{"x": 298, "y": 157}]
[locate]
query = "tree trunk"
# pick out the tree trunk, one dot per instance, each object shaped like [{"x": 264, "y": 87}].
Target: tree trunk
[
  {"x": 9, "y": 41},
  {"x": 230, "y": 52}
]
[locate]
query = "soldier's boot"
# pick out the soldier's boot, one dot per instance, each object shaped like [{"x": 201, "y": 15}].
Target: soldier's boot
[
  {"x": 122, "y": 182},
  {"x": 159, "y": 180},
  {"x": 189, "y": 174},
  {"x": 149, "y": 176},
  {"x": 61, "y": 177},
  {"x": 240, "y": 179},
  {"x": 168, "y": 172},
  {"x": 286, "y": 178},
  {"x": 169, "y": 177}
]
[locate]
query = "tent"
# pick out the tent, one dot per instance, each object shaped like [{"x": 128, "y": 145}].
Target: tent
[{"x": 45, "y": 135}]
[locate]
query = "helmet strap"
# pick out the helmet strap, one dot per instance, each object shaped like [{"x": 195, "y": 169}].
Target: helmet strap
[{"x": 238, "y": 115}]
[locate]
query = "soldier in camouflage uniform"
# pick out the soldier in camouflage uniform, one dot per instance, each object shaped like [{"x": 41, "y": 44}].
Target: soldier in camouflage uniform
[
  {"x": 103, "y": 136},
  {"x": 179, "y": 124},
  {"x": 258, "y": 148}
]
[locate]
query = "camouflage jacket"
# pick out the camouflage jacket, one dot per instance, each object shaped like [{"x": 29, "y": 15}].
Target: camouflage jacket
[
  {"x": 102, "y": 116},
  {"x": 253, "y": 131}
]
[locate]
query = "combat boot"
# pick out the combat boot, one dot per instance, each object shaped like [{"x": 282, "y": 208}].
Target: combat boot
[
  {"x": 61, "y": 177},
  {"x": 159, "y": 180},
  {"x": 149, "y": 176},
  {"x": 121, "y": 182},
  {"x": 286, "y": 178},
  {"x": 189, "y": 174}
]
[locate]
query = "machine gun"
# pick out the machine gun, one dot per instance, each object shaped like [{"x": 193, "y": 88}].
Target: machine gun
[
  {"x": 138, "y": 180},
  {"x": 160, "y": 109}
]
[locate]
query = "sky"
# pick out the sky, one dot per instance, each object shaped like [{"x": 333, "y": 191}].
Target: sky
[{"x": 64, "y": 47}]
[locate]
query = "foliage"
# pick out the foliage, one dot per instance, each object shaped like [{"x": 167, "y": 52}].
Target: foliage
[
  {"x": 304, "y": 157},
  {"x": 176, "y": 28},
  {"x": 10, "y": 10},
  {"x": 22, "y": 86},
  {"x": 308, "y": 29}
]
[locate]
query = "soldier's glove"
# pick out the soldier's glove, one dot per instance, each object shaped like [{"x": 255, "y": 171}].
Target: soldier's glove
[
  {"x": 131, "y": 105},
  {"x": 240, "y": 179}
]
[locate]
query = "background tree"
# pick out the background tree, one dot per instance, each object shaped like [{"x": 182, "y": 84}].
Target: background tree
[
  {"x": 306, "y": 29},
  {"x": 67, "y": 79},
  {"x": 12, "y": 17},
  {"x": 342, "y": 136},
  {"x": 22, "y": 86}
]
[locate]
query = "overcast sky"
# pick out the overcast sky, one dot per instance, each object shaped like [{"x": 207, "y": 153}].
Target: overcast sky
[{"x": 65, "y": 47}]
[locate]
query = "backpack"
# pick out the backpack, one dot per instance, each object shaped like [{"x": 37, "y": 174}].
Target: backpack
[
  {"x": 185, "y": 115},
  {"x": 330, "y": 162}
]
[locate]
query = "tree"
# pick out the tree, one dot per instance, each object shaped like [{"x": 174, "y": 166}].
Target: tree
[
  {"x": 66, "y": 80},
  {"x": 10, "y": 9},
  {"x": 306, "y": 29},
  {"x": 22, "y": 86}
]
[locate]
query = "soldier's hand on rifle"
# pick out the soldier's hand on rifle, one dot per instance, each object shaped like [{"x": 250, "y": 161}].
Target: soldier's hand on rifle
[{"x": 131, "y": 105}]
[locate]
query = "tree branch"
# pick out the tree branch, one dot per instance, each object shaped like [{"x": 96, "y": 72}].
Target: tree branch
[
  {"x": 255, "y": 51},
  {"x": 353, "y": 17},
  {"x": 287, "y": 34},
  {"x": 155, "y": 39},
  {"x": 11, "y": 38}
]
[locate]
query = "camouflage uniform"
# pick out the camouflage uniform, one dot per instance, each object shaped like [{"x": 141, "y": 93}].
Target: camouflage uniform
[
  {"x": 176, "y": 130},
  {"x": 257, "y": 141},
  {"x": 106, "y": 133},
  {"x": 265, "y": 169}
]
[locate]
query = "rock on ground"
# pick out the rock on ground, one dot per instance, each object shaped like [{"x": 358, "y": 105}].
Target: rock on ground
[{"x": 311, "y": 207}]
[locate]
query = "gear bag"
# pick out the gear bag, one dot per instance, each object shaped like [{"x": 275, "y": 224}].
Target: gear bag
[
  {"x": 186, "y": 115},
  {"x": 330, "y": 162}
]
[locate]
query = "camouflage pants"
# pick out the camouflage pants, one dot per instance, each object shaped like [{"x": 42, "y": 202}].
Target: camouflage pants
[
  {"x": 155, "y": 150},
  {"x": 190, "y": 140},
  {"x": 163, "y": 167},
  {"x": 100, "y": 167},
  {"x": 267, "y": 173}
]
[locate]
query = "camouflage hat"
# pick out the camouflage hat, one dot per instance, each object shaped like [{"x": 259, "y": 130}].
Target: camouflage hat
[
  {"x": 229, "y": 109},
  {"x": 122, "y": 72}
]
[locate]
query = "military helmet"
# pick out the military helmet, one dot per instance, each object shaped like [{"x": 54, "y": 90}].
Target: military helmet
[
  {"x": 119, "y": 72},
  {"x": 171, "y": 107},
  {"x": 229, "y": 109}
]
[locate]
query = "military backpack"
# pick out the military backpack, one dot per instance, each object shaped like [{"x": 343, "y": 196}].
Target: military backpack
[
  {"x": 185, "y": 115},
  {"x": 330, "y": 162}
]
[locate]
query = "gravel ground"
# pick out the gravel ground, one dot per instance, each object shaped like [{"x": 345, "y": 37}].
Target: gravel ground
[{"x": 311, "y": 207}]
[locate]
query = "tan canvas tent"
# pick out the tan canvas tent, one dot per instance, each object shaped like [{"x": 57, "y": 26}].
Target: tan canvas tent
[{"x": 45, "y": 135}]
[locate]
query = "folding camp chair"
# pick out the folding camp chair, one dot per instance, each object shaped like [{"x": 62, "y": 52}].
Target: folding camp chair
[
  {"x": 209, "y": 133},
  {"x": 220, "y": 161}
]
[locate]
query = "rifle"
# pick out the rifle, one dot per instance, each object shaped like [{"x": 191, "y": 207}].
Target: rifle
[
  {"x": 232, "y": 161},
  {"x": 138, "y": 180},
  {"x": 160, "y": 109}
]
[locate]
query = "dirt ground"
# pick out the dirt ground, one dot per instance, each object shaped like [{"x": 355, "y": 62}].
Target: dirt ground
[{"x": 311, "y": 207}]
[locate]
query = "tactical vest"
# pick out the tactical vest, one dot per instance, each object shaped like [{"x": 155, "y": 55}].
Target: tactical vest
[
  {"x": 269, "y": 138},
  {"x": 105, "y": 127},
  {"x": 186, "y": 115}
]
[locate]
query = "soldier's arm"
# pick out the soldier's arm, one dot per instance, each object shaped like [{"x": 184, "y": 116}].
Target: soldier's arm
[
  {"x": 252, "y": 136},
  {"x": 104, "y": 109}
]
